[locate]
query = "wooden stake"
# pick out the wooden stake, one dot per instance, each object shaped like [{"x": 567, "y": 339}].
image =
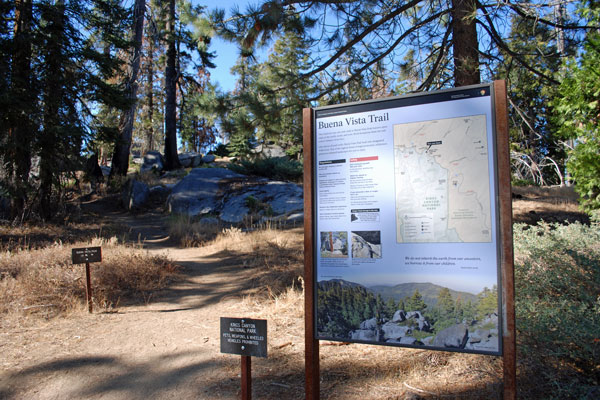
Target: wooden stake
[
  {"x": 88, "y": 287},
  {"x": 246, "y": 378}
]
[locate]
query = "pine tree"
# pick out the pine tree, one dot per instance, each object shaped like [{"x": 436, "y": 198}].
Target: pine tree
[
  {"x": 415, "y": 302},
  {"x": 120, "y": 159},
  {"x": 280, "y": 120}
]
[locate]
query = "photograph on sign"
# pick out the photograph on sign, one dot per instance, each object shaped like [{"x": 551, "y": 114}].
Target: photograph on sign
[{"x": 406, "y": 222}]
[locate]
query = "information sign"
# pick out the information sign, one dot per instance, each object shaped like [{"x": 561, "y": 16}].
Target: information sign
[
  {"x": 244, "y": 336},
  {"x": 406, "y": 234},
  {"x": 85, "y": 255}
]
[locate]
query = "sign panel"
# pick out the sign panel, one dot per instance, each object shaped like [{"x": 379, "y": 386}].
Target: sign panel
[
  {"x": 244, "y": 336},
  {"x": 86, "y": 255},
  {"x": 406, "y": 222}
]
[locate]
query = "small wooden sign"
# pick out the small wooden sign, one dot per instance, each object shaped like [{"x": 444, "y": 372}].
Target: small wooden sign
[
  {"x": 244, "y": 336},
  {"x": 86, "y": 255}
]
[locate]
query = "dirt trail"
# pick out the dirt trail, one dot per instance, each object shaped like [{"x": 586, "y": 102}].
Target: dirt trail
[{"x": 166, "y": 349}]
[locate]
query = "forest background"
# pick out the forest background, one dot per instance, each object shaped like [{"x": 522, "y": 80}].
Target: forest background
[{"x": 109, "y": 78}]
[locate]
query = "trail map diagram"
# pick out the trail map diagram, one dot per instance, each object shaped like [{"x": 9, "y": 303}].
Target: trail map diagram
[{"x": 442, "y": 181}]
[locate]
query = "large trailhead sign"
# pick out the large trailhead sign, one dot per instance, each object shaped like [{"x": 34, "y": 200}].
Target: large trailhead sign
[{"x": 406, "y": 237}]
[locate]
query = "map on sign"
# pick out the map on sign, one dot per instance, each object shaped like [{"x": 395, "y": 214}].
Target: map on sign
[{"x": 442, "y": 181}]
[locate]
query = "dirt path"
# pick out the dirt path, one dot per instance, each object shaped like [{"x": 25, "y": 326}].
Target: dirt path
[{"x": 167, "y": 349}]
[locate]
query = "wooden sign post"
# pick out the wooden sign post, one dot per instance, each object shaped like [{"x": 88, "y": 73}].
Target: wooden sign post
[
  {"x": 245, "y": 337},
  {"x": 86, "y": 255}
]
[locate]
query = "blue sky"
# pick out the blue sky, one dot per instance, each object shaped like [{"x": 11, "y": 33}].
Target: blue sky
[{"x": 226, "y": 53}]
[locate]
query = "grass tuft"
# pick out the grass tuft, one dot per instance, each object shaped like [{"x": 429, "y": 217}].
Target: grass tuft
[{"x": 44, "y": 282}]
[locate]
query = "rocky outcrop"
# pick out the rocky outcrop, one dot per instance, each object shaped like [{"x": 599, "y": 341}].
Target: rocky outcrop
[
  {"x": 209, "y": 158},
  {"x": 190, "y": 159},
  {"x": 455, "y": 337},
  {"x": 153, "y": 161},
  {"x": 363, "y": 249},
  {"x": 134, "y": 195},
  {"x": 482, "y": 337},
  {"x": 398, "y": 330},
  {"x": 232, "y": 197},
  {"x": 199, "y": 192},
  {"x": 406, "y": 326}
]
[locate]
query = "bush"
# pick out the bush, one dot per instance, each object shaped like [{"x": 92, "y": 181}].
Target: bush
[
  {"x": 280, "y": 168},
  {"x": 557, "y": 277},
  {"x": 221, "y": 150}
]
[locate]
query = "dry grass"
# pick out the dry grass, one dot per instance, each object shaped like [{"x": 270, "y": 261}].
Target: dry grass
[
  {"x": 275, "y": 255},
  {"x": 188, "y": 232},
  {"x": 29, "y": 236},
  {"x": 532, "y": 204},
  {"x": 44, "y": 282}
]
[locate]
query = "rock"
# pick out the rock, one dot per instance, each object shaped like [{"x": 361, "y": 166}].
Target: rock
[
  {"x": 394, "y": 331},
  {"x": 226, "y": 194},
  {"x": 190, "y": 159},
  {"x": 410, "y": 340},
  {"x": 488, "y": 344},
  {"x": 424, "y": 325},
  {"x": 160, "y": 193},
  {"x": 269, "y": 150},
  {"x": 105, "y": 170},
  {"x": 479, "y": 335},
  {"x": 295, "y": 218},
  {"x": 153, "y": 161},
  {"x": 198, "y": 192},
  {"x": 455, "y": 336},
  {"x": 369, "y": 324},
  {"x": 197, "y": 161},
  {"x": 235, "y": 210},
  {"x": 491, "y": 319},
  {"x": 414, "y": 314},
  {"x": 428, "y": 340},
  {"x": 284, "y": 197},
  {"x": 281, "y": 198},
  {"x": 364, "y": 334},
  {"x": 399, "y": 316},
  {"x": 134, "y": 195},
  {"x": 363, "y": 249},
  {"x": 209, "y": 158}
]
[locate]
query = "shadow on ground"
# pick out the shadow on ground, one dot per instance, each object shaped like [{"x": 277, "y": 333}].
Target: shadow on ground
[{"x": 181, "y": 375}]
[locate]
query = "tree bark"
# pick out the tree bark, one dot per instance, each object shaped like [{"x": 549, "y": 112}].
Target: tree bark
[
  {"x": 53, "y": 97},
  {"x": 120, "y": 160},
  {"x": 21, "y": 131},
  {"x": 171, "y": 157},
  {"x": 150, "y": 95},
  {"x": 465, "y": 43}
]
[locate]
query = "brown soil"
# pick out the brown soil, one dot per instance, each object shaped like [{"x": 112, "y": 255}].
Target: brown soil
[{"x": 169, "y": 348}]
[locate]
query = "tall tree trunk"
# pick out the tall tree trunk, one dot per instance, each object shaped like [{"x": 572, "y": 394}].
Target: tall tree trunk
[
  {"x": 120, "y": 160},
  {"x": 465, "y": 43},
  {"x": 171, "y": 157},
  {"x": 53, "y": 97},
  {"x": 150, "y": 95},
  {"x": 21, "y": 131}
]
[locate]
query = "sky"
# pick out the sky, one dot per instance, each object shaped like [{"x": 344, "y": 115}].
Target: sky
[{"x": 226, "y": 53}]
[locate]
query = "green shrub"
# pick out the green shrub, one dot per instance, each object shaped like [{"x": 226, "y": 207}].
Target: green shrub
[
  {"x": 557, "y": 286},
  {"x": 221, "y": 150},
  {"x": 280, "y": 168}
]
